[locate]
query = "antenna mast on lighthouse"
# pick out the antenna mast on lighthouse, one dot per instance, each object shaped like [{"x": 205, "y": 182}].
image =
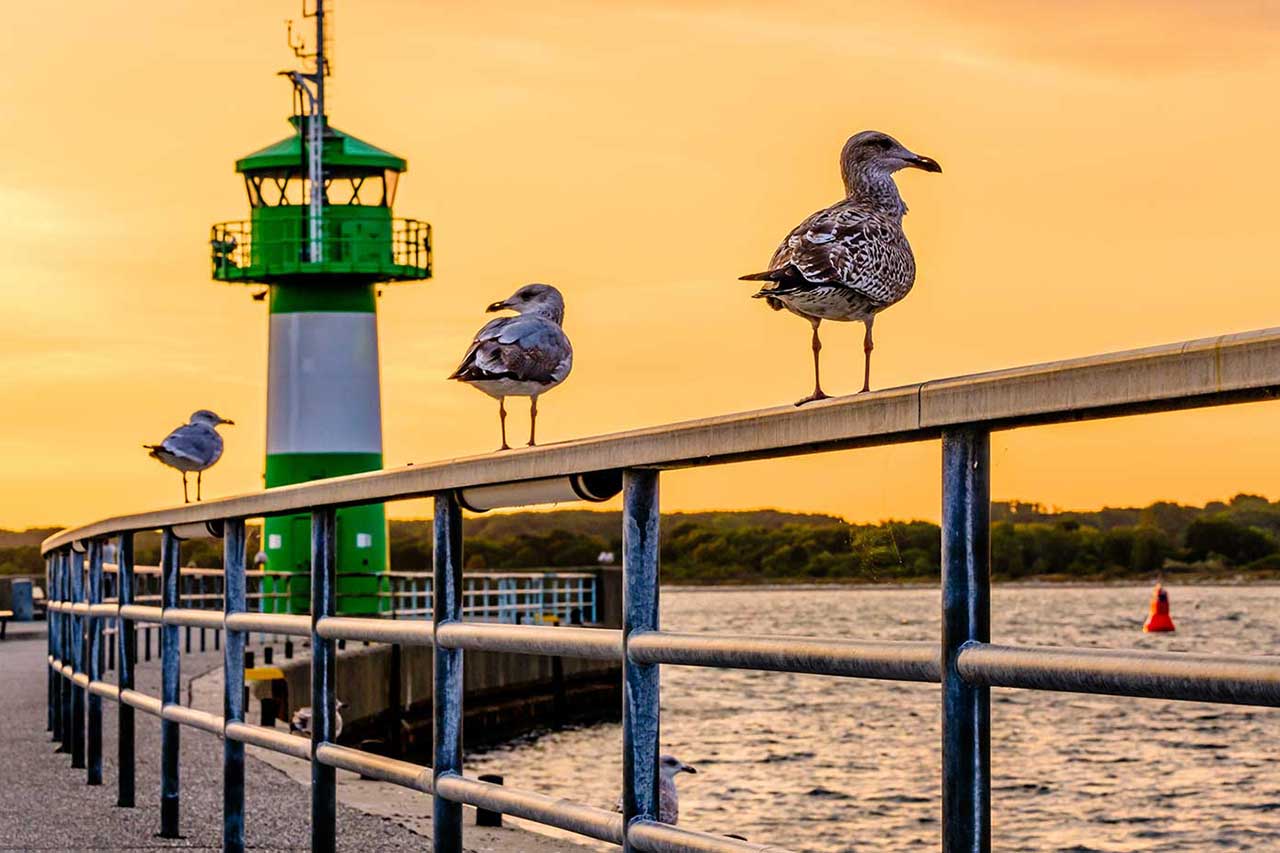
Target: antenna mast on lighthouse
[{"x": 308, "y": 87}]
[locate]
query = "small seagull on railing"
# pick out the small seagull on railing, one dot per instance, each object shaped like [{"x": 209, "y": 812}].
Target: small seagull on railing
[
  {"x": 849, "y": 261},
  {"x": 668, "y": 800},
  {"x": 522, "y": 356},
  {"x": 301, "y": 721},
  {"x": 194, "y": 446}
]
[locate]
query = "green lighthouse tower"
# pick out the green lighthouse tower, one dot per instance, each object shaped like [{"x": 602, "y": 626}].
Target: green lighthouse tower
[{"x": 321, "y": 237}]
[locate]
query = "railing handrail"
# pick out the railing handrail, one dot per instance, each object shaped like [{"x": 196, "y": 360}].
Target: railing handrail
[{"x": 1209, "y": 371}]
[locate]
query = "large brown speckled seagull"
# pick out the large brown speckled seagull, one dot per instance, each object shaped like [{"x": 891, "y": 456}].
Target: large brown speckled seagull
[
  {"x": 849, "y": 261},
  {"x": 522, "y": 356}
]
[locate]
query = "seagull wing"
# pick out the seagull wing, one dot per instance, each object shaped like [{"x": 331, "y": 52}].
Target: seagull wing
[
  {"x": 197, "y": 443},
  {"x": 843, "y": 245},
  {"x": 524, "y": 348}
]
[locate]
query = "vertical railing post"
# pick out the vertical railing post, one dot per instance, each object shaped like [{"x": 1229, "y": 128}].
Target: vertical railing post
[
  {"x": 76, "y": 563},
  {"x": 127, "y": 657},
  {"x": 233, "y": 601},
  {"x": 55, "y": 634},
  {"x": 93, "y": 772},
  {"x": 171, "y": 673},
  {"x": 966, "y": 617},
  {"x": 446, "y": 700},
  {"x": 324, "y": 792},
  {"x": 50, "y": 716},
  {"x": 64, "y": 640},
  {"x": 640, "y": 712}
]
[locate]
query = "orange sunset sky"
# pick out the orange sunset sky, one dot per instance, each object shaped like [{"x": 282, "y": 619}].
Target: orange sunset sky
[{"x": 1111, "y": 176}]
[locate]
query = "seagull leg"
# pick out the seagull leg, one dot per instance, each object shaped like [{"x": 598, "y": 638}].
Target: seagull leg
[
  {"x": 818, "y": 393},
  {"x": 185, "y": 499},
  {"x": 502, "y": 418},
  {"x": 867, "y": 347},
  {"x": 199, "y": 476},
  {"x": 533, "y": 418}
]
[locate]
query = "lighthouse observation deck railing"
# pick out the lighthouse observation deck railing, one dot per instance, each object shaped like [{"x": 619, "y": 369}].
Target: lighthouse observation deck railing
[
  {"x": 962, "y": 412},
  {"x": 377, "y": 249}
]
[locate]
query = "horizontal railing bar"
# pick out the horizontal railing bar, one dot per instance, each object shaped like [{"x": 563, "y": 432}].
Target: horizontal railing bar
[
  {"x": 409, "y": 633},
  {"x": 67, "y": 671},
  {"x": 298, "y": 747},
  {"x": 105, "y": 689},
  {"x": 141, "y": 701},
  {"x": 106, "y": 610},
  {"x": 563, "y": 814},
  {"x": 1211, "y": 371},
  {"x": 79, "y": 608},
  {"x": 653, "y": 837},
  {"x": 391, "y": 770},
  {"x": 80, "y": 679},
  {"x": 1153, "y": 675},
  {"x": 898, "y": 661},
  {"x": 275, "y": 623},
  {"x": 191, "y": 717},
  {"x": 595, "y": 643},
  {"x": 142, "y": 613},
  {"x": 193, "y": 618}
]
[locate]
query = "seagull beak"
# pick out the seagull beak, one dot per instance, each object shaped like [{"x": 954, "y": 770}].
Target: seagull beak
[
  {"x": 227, "y": 422},
  {"x": 688, "y": 768},
  {"x": 497, "y": 306},
  {"x": 926, "y": 163}
]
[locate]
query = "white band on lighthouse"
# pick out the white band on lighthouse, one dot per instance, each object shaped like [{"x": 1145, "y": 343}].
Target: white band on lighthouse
[{"x": 323, "y": 376}]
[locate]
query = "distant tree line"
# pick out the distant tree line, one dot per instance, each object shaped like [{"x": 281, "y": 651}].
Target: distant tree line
[{"x": 1240, "y": 536}]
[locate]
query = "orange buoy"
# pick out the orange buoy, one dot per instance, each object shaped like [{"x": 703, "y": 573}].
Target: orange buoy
[{"x": 1159, "y": 619}]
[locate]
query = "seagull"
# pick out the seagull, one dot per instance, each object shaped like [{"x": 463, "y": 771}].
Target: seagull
[
  {"x": 301, "y": 721},
  {"x": 668, "y": 800},
  {"x": 194, "y": 446},
  {"x": 522, "y": 356},
  {"x": 849, "y": 261}
]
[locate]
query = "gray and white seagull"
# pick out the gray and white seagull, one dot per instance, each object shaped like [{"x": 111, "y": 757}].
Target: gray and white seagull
[
  {"x": 194, "y": 446},
  {"x": 668, "y": 798},
  {"x": 522, "y": 356},
  {"x": 849, "y": 261},
  {"x": 301, "y": 720}
]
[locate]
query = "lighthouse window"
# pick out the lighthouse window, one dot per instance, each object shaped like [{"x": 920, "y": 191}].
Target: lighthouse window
[
  {"x": 390, "y": 177},
  {"x": 364, "y": 189}
]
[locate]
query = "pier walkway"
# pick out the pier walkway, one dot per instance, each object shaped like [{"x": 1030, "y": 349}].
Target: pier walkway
[{"x": 36, "y": 786}]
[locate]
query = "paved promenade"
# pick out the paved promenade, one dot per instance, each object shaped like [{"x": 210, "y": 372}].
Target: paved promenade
[{"x": 45, "y": 805}]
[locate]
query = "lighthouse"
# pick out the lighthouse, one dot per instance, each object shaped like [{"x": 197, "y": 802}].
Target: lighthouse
[{"x": 322, "y": 238}]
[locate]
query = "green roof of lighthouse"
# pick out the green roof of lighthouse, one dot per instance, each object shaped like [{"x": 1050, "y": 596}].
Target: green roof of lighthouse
[{"x": 340, "y": 149}]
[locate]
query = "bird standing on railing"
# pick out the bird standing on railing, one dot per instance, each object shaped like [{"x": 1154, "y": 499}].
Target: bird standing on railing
[
  {"x": 194, "y": 446},
  {"x": 849, "y": 261},
  {"x": 300, "y": 723},
  {"x": 668, "y": 799},
  {"x": 522, "y": 356}
]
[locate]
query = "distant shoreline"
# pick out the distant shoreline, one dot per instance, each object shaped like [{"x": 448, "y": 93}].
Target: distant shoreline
[{"x": 910, "y": 585}]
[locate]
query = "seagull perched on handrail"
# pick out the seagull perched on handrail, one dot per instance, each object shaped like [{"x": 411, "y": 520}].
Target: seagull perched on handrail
[
  {"x": 849, "y": 261},
  {"x": 522, "y": 356},
  {"x": 194, "y": 446},
  {"x": 668, "y": 800}
]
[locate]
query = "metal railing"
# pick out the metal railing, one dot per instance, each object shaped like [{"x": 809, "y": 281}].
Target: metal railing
[
  {"x": 401, "y": 250},
  {"x": 962, "y": 412},
  {"x": 532, "y": 597}
]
